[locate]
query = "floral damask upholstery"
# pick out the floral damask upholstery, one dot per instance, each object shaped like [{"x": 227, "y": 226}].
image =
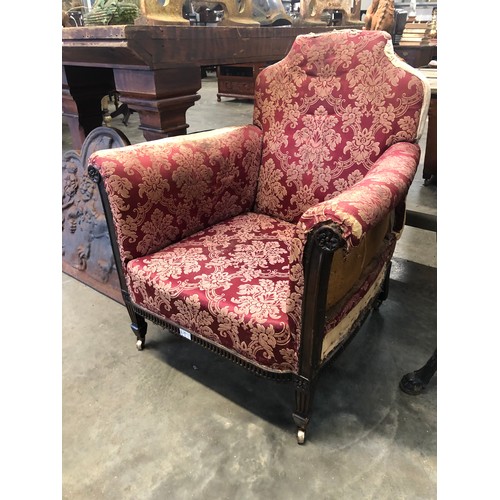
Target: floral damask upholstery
[
  {"x": 270, "y": 242},
  {"x": 327, "y": 113}
]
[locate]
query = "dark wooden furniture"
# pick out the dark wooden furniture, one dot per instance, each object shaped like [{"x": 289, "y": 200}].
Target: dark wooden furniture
[
  {"x": 415, "y": 382},
  {"x": 430, "y": 160},
  {"x": 157, "y": 72},
  {"x": 237, "y": 80},
  {"x": 429, "y": 172},
  {"x": 417, "y": 55}
]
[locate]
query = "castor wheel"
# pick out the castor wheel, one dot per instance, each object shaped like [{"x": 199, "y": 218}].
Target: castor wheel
[
  {"x": 301, "y": 436},
  {"x": 140, "y": 344}
]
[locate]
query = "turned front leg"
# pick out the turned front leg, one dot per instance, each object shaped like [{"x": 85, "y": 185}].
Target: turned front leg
[
  {"x": 139, "y": 327},
  {"x": 304, "y": 393}
]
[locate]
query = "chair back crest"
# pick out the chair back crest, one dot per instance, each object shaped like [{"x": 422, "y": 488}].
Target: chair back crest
[{"x": 328, "y": 110}]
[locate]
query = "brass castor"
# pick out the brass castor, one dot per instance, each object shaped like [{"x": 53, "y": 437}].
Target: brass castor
[{"x": 301, "y": 436}]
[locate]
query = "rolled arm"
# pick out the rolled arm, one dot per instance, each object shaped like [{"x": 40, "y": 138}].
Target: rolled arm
[
  {"x": 164, "y": 190},
  {"x": 362, "y": 206}
]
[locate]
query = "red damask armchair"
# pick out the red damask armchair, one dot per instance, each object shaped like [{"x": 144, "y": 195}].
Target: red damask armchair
[{"x": 269, "y": 243}]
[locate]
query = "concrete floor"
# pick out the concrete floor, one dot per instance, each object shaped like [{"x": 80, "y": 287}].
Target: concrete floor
[{"x": 177, "y": 422}]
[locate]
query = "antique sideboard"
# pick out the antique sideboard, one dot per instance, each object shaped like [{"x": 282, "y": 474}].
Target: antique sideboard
[
  {"x": 157, "y": 72},
  {"x": 238, "y": 80}
]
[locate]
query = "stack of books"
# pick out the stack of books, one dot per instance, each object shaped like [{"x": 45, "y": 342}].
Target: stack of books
[{"x": 415, "y": 33}]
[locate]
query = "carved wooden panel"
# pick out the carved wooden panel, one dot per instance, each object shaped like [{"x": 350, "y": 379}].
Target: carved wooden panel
[{"x": 86, "y": 247}]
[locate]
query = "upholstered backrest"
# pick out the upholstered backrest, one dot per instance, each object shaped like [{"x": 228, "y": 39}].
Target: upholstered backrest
[{"x": 328, "y": 110}]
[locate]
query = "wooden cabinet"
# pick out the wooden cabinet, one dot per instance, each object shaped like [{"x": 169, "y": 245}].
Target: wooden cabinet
[
  {"x": 238, "y": 80},
  {"x": 417, "y": 55}
]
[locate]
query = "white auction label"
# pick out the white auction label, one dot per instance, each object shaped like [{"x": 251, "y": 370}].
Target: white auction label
[{"x": 185, "y": 334}]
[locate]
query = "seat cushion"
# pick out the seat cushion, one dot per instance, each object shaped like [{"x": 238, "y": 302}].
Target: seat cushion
[{"x": 228, "y": 284}]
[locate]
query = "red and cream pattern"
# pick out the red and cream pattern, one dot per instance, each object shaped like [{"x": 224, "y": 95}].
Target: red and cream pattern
[
  {"x": 328, "y": 110},
  {"x": 162, "y": 191},
  {"x": 358, "y": 209},
  {"x": 211, "y": 227},
  {"x": 229, "y": 284}
]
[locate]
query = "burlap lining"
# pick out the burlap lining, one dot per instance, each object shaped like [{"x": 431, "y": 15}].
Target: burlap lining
[
  {"x": 347, "y": 267},
  {"x": 346, "y": 270},
  {"x": 337, "y": 334}
]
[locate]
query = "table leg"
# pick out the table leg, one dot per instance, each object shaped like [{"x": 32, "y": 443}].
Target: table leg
[
  {"x": 161, "y": 97},
  {"x": 82, "y": 91}
]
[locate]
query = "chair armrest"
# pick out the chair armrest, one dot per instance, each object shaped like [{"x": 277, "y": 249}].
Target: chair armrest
[
  {"x": 365, "y": 204},
  {"x": 342, "y": 221},
  {"x": 161, "y": 191}
]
